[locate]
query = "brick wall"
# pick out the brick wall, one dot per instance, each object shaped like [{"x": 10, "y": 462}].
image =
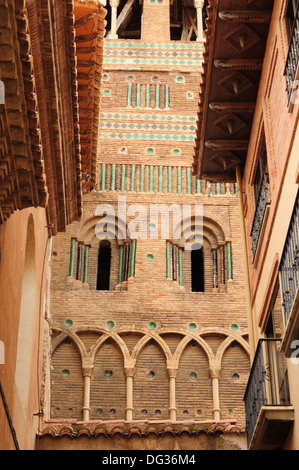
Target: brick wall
[
  {"x": 156, "y": 20},
  {"x": 154, "y": 324}
]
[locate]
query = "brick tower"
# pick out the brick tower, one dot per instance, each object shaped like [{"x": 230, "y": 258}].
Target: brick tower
[{"x": 147, "y": 339}]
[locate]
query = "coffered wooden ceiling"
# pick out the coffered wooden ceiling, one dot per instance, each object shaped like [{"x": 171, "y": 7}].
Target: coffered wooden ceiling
[{"x": 236, "y": 37}]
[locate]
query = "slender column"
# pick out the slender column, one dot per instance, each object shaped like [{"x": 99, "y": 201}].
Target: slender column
[
  {"x": 198, "y": 186},
  {"x": 103, "y": 179},
  {"x": 160, "y": 179},
  {"x": 215, "y": 269},
  {"x": 113, "y": 174},
  {"x": 209, "y": 189},
  {"x": 198, "y": 4},
  {"x": 170, "y": 180},
  {"x": 222, "y": 265},
  {"x": 229, "y": 260},
  {"x": 87, "y": 373},
  {"x": 168, "y": 260},
  {"x": 129, "y": 371},
  {"x": 72, "y": 260},
  {"x": 132, "y": 178},
  {"x": 179, "y": 187},
  {"x": 174, "y": 263},
  {"x": 129, "y": 97},
  {"x": 133, "y": 256},
  {"x": 121, "y": 262},
  {"x": 138, "y": 96},
  {"x": 127, "y": 261},
  {"x": 188, "y": 181},
  {"x": 180, "y": 266},
  {"x": 215, "y": 373},
  {"x": 86, "y": 260},
  {"x": 151, "y": 178},
  {"x": 113, "y": 33},
  {"x": 172, "y": 372},
  {"x": 157, "y": 96},
  {"x": 147, "y": 96},
  {"x": 218, "y": 188},
  {"x": 123, "y": 178},
  {"x": 167, "y": 100},
  {"x": 142, "y": 178},
  {"x": 79, "y": 261}
]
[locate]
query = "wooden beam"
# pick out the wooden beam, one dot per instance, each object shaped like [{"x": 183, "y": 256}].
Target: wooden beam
[
  {"x": 240, "y": 64},
  {"x": 237, "y": 145},
  {"x": 124, "y": 14},
  {"x": 85, "y": 19},
  {"x": 241, "y": 16},
  {"x": 227, "y": 107}
]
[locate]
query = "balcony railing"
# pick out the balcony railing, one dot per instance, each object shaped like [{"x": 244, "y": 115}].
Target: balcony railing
[
  {"x": 261, "y": 206},
  {"x": 289, "y": 266},
  {"x": 267, "y": 385},
  {"x": 291, "y": 67}
]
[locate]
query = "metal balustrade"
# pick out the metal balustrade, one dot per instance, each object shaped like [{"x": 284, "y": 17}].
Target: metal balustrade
[
  {"x": 289, "y": 266},
  {"x": 261, "y": 206},
  {"x": 267, "y": 384},
  {"x": 291, "y": 67}
]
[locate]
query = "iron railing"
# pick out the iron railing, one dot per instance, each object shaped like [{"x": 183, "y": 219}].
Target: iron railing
[
  {"x": 267, "y": 384},
  {"x": 8, "y": 416},
  {"x": 289, "y": 265},
  {"x": 261, "y": 206},
  {"x": 292, "y": 58}
]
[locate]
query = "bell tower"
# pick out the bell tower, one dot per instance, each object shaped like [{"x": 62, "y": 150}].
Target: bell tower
[{"x": 156, "y": 351}]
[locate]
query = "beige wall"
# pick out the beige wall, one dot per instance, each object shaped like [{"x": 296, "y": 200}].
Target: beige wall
[{"x": 21, "y": 385}]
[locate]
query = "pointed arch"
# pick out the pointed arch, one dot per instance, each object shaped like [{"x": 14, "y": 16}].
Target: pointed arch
[{"x": 143, "y": 342}]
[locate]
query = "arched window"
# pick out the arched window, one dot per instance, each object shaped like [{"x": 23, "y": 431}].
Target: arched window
[
  {"x": 197, "y": 270},
  {"x": 104, "y": 266}
]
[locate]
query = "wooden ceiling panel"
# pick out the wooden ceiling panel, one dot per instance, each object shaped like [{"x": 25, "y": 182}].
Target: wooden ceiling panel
[{"x": 236, "y": 38}]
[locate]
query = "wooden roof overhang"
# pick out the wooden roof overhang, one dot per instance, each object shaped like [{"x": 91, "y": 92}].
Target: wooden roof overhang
[
  {"x": 236, "y": 38},
  {"x": 89, "y": 25},
  {"x": 40, "y": 134}
]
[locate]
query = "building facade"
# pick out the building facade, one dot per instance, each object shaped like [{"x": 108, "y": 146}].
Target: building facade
[
  {"x": 264, "y": 163},
  {"x": 147, "y": 344}
]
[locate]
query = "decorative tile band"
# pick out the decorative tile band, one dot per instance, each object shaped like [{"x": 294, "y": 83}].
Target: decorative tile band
[
  {"x": 143, "y": 136},
  {"x": 158, "y": 179},
  {"x": 153, "y": 53},
  {"x": 137, "y": 126},
  {"x": 132, "y": 62},
  {"x": 154, "y": 117},
  {"x": 143, "y": 45}
]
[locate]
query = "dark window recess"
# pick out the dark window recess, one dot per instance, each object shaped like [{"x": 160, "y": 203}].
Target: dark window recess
[
  {"x": 290, "y": 17},
  {"x": 130, "y": 14},
  {"x": 104, "y": 266},
  {"x": 291, "y": 67},
  {"x": 261, "y": 189},
  {"x": 197, "y": 270},
  {"x": 262, "y": 169}
]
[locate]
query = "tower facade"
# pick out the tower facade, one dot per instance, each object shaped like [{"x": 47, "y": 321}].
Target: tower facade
[{"x": 147, "y": 334}]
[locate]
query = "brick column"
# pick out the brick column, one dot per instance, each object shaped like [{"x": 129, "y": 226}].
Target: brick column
[{"x": 156, "y": 21}]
